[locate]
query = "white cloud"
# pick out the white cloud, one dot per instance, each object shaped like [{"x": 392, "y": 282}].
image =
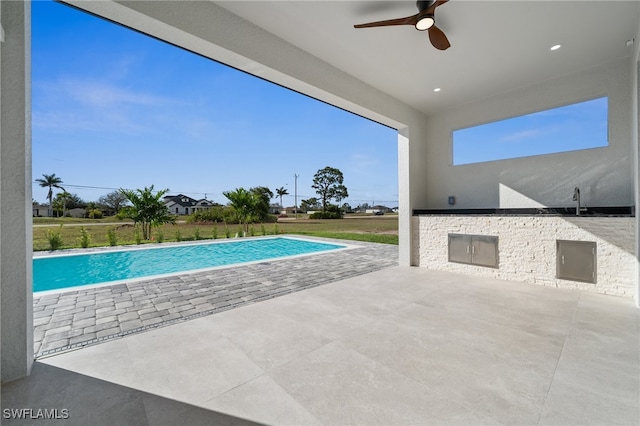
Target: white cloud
[
  {"x": 524, "y": 134},
  {"x": 102, "y": 94},
  {"x": 98, "y": 106}
]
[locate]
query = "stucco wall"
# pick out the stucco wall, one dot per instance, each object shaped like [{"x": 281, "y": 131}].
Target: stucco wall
[
  {"x": 604, "y": 175},
  {"x": 16, "y": 305},
  {"x": 527, "y": 248}
]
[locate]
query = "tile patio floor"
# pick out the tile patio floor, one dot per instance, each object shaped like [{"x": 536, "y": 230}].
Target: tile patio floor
[{"x": 392, "y": 347}]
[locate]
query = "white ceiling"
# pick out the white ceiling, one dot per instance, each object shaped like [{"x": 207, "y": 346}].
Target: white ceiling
[{"x": 496, "y": 46}]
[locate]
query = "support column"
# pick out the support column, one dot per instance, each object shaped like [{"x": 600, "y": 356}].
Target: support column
[
  {"x": 405, "y": 207},
  {"x": 635, "y": 131},
  {"x": 16, "y": 296},
  {"x": 635, "y": 142}
]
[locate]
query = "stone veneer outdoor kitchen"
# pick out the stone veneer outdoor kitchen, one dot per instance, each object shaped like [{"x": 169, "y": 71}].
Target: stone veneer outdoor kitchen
[{"x": 527, "y": 247}]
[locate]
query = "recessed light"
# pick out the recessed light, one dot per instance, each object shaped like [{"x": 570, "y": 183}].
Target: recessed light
[
  {"x": 556, "y": 47},
  {"x": 437, "y": 89}
]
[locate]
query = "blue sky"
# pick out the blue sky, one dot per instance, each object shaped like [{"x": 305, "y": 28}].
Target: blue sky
[
  {"x": 572, "y": 127},
  {"x": 114, "y": 108}
]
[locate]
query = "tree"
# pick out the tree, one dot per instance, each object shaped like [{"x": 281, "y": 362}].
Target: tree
[
  {"x": 245, "y": 204},
  {"x": 63, "y": 200},
  {"x": 328, "y": 185},
  {"x": 147, "y": 209},
  {"x": 309, "y": 204},
  {"x": 282, "y": 191},
  {"x": 263, "y": 200},
  {"x": 93, "y": 211},
  {"x": 51, "y": 181},
  {"x": 362, "y": 207},
  {"x": 113, "y": 201}
]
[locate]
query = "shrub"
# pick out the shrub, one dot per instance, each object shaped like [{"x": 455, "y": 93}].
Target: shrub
[
  {"x": 55, "y": 239},
  {"x": 230, "y": 216},
  {"x": 95, "y": 214},
  {"x": 272, "y": 218},
  {"x": 159, "y": 236},
  {"x": 264, "y": 231},
  {"x": 252, "y": 232},
  {"x": 240, "y": 232},
  {"x": 332, "y": 212},
  {"x": 137, "y": 235},
  {"x": 213, "y": 214},
  {"x": 275, "y": 229},
  {"x": 196, "y": 234},
  {"x": 227, "y": 232},
  {"x": 214, "y": 232},
  {"x": 325, "y": 215},
  {"x": 178, "y": 236},
  {"x": 85, "y": 238},
  {"x": 112, "y": 237}
]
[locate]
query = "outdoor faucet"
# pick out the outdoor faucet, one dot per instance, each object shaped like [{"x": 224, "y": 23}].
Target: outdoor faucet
[{"x": 576, "y": 197}]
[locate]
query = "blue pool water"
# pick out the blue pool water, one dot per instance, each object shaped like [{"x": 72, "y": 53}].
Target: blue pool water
[{"x": 56, "y": 272}]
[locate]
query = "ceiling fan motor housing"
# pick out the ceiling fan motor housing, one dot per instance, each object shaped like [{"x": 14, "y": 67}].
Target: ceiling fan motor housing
[
  {"x": 424, "y": 4},
  {"x": 424, "y": 19}
]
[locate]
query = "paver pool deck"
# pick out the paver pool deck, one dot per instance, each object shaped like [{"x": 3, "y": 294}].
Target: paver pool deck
[{"x": 76, "y": 318}]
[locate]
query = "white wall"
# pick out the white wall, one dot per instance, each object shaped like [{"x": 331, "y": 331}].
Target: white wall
[
  {"x": 635, "y": 131},
  {"x": 16, "y": 301},
  {"x": 604, "y": 175}
]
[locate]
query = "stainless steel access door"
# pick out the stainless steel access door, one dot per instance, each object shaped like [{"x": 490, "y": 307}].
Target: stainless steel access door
[
  {"x": 484, "y": 250},
  {"x": 576, "y": 260},
  {"x": 481, "y": 250},
  {"x": 459, "y": 248}
]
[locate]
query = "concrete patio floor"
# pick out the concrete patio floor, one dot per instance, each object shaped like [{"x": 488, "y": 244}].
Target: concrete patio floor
[{"x": 398, "y": 346}]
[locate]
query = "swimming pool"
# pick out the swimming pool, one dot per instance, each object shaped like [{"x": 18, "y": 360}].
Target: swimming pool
[{"x": 73, "y": 270}]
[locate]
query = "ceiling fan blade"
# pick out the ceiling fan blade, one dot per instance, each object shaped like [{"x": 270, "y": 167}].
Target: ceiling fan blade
[
  {"x": 409, "y": 20},
  {"x": 438, "y": 38}
]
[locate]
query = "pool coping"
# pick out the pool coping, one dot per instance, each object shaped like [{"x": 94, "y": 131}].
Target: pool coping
[{"x": 74, "y": 319}]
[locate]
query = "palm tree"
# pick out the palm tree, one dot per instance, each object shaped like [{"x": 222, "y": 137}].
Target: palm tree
[
  {"x": 51, "y": 181},
  {"x": 244, "y": 203},
  {"x": 281, "y": 192},
  {"x": 65, "y": 196},
  {"x": 147, "y": 208}
]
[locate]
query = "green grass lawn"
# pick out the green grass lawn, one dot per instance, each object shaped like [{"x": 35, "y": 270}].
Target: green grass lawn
[{"x": 379, "y": 229}]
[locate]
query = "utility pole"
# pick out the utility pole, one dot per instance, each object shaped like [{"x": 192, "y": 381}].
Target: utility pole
[{"x": 295, "y": 177}]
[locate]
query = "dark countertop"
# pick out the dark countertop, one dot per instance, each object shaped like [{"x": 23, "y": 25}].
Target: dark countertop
[{"x": 616, "y": 211}]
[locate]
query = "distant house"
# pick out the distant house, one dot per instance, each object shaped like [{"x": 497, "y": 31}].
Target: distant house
[
  {"x": 184, "y": 205},
  {"x": 291, "y": 210},
  {"x": 40, "y": 210},
  {"x": 375, "y": 209},
  {"x": 77, "y": 212},
  {"x": 276, "y": 209}
]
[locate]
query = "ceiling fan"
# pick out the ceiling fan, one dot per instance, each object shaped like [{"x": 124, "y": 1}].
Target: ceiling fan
[{"x": 424, "y": 20}]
